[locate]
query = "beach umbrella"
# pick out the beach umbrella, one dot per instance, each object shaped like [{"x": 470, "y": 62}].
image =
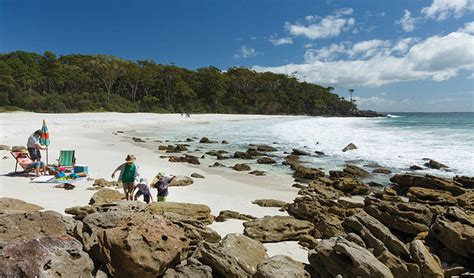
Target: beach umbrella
[{"x": 44, "y": 140}]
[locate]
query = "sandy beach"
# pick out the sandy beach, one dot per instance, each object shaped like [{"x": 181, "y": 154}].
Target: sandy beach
[{"x": 92, "y": 136}]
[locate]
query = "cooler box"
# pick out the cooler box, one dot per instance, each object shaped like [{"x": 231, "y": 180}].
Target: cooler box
[{"x": 81, "y": 169}]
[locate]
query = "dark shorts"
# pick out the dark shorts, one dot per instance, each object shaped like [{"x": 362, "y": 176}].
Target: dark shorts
[
  {"x": 146, "y": 197},
  {"x": 35, "y": 154}
]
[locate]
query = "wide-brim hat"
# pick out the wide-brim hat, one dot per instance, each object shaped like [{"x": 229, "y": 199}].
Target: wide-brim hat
[
  {"x": 130, "y": 158},
  {"x": 23, "y": 151}
]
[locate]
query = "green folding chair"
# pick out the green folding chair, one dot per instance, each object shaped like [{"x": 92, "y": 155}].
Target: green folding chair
[{"x": 67, "y": 158}]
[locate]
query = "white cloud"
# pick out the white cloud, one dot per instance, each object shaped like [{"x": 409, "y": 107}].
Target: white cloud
[
  {"x": 245, "y": 52},
  {"x": 280, "y": 41},
  {"x": 468, "y": 28},
  {"x": 316, "y": 27},
  {"x": 442, "y": 9},
  {"x": 407, "y": 22},
  {"x": 378, "y": 62}
]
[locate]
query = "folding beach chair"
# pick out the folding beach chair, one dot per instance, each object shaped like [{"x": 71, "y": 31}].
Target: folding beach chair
[
  {"x": 15, "y": 155},
  {"x": 67, "y": 158}
]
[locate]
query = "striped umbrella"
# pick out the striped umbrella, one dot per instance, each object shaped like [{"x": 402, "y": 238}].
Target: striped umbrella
[{"x": 44, "y": 140}]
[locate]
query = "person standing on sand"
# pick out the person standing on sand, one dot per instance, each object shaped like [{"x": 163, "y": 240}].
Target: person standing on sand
[
  {"x": 129, "y": 175},
  {"x": 34, "y": 145},
  {"x": 162, "y": 185}
]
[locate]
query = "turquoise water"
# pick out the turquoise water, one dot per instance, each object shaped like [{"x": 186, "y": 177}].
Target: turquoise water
[{"x": 396, "y": 142}]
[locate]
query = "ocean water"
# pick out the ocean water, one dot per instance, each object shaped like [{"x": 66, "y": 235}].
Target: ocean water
[{"x": 395, "y": 142}]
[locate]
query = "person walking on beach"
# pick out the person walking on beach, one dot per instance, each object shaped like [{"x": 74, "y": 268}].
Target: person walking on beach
[
  {"x": 129, "y": 175},
  {"x": 34, "y": 146},
  {"x": 145, "y": 190},
  {"x": 162, "y": 185}
]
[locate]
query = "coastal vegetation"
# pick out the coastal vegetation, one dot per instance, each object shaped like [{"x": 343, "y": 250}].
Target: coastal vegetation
[{"x": 78, "y": 83}]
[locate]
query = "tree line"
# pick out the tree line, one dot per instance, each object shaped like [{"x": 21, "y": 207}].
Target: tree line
[{"x": 79, "y": 83}]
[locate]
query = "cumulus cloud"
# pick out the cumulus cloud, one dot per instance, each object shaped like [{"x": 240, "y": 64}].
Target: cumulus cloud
[
  {"x": 442, "y": 9},
  {"x": 468, "y": 28},
  {"x": 315, "y": 27},
  {"x": 379, "y": 62},
  {"x": 407, "y": 22},
  {"x": 245, "y": 52},
  {"x": 280, "y": 41}
]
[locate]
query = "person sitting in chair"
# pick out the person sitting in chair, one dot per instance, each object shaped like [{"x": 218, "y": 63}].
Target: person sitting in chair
[
  {"x": 29, "y": 164},
  {"x": 34, "y": 146}
]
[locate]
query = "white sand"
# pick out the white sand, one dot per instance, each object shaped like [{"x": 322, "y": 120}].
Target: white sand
[{"x": 91, "y": 135}]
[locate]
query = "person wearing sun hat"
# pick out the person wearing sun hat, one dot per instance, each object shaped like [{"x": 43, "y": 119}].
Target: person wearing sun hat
[
  {"x": 129, "y": 175},
  {"x": 23, "y": 159},
  {"x": 161, "y": 183}
]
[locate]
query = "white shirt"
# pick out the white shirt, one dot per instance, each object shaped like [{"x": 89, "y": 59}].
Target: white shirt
[{"x": 32, "y": 141}]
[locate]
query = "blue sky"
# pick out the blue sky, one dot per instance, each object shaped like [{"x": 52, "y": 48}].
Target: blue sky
[{"x": 398, "y": 55}]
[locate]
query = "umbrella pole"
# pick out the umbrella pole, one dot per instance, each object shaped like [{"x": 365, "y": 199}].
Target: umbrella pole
[{"x": 47, "y": 156}]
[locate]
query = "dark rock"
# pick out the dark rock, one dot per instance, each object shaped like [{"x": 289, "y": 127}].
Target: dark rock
[
  {"x": 307, "y": 173},
  {"x": 254, "y": 152},
  {"x": 196, "y": 175},
  {"x": 435, "y": 164},
  {"x": 205, "y": 140},
  {"x": 269, "y": 203},
  {"x": 241, "y": 167},
  {"x": 467, "y": 182},
  {"x": 351, "y": 186},
  {"x": 80, "y": 212},
  {"x": 189, "y": 140},
  {"x": 280, "y": 266},
  {"x": 257, "y": 173},
  {"x": 382, "y": 171},
  {"x": 415, "y": 168},
  {"x": 266, "y": 148},
  {"x": 55, "y": 256},
  {"x": 356, "y": 171},
  {"x": 429, "y": 266},
  {"x": 266, "y": 160},
  {"x": 277, "y": 228},
  {"x": 217, "y": 164},
  {"x": 319, "y": 153},
  {"x": 65, "y": 186},
  {"x": 349, "y": 147},
  {"x": 454, "y": 235},
  {"x": 300, "y": 152},
  {"x": 224, "y": 142},
  {"x": 229, "y": 214},
  {"x": 191, "y": 159},
  {"x": 430, "y": 196},
  {"x": 405, "y": 181},
  {"x": 242, "y": 155},
  {"x": 138, "y": 140}
]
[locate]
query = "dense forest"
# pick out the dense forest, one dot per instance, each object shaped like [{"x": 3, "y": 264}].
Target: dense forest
[{"x": 77, "y": 83}]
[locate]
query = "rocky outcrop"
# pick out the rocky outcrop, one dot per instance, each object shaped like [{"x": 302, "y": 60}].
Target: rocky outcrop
[
  {"x": 190, "y": 268},
  {"x": 269, "y": 203},
  {"x": 106, "y": 196},
  {"x": 430, "y": 196},
  {"x": 405, "y": 181},
  {"x": 356, "y": 171},
  {"x": 280, "y": 266},
  {"x": 194, "y": 230},
  {"x": 11, "y": 205},
  {"x": 466, "y": 182},
  {"x": 266, "y": 148},
  {"x": 429, "y": 266},
  {"x": 454, "y": 235},
  {"x": 351, "y": 186},
  {"x": 433, "y": 164},
  {"x": 299, "y": 152},
  {"x": 349, "y": 147},
  {"x": 50, "y": 256},
  {"x": 194, "y": 211},
  {"x": 266, "y": 160},
  {"x": 277, "y": 228},
  {"x": 248, "y": 252},
  {"x": 191, "y": 159},
  {"x": 338, "y": 256},
  {"x": 257, "y": 173},
  {"x": 307, "y": 173},
  {"x": 181, "y": 181},
  {"x": 241, "y": 167},
  {"x": 242, "y": 155}
]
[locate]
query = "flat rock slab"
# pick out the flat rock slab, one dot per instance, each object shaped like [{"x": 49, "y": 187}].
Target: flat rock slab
[
  {"x": 194, "y": 211},
  {"x": 11, "y": 205},
  {"x": 277, "y": 228}
]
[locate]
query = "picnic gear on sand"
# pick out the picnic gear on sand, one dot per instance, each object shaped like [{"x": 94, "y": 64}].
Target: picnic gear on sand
[
  {"x": 81, "y": 168},
  {"x": 44, "y": 139},
  {"x": 67, "y": 159}
]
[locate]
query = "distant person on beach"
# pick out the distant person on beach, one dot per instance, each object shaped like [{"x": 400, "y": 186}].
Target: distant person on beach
[
  {"x": 145, "y": 190},
  {"x": 23, "y": 159},
  {"x": 188, "y": 116},
  {"x": 162, "y": 184},
  {"x": 129, "y": 175},
  {"x": 34, "y": 145}
]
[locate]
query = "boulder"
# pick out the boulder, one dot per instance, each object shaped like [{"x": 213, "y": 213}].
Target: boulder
[
  {"x": 299, "y": 152},
  {"x": 181, "y": 181},
  {"x": 325, "y": 189},
  {"x": 429, "y": 266},
  {"x": 241, "y": 167},
  {"x": 54, "y": 256},
  {"x": 338, "y": 256},
  {"x": 191, "y": 159},
  {"x": 269, "y": 203},
  {"x": 454, "y": 235},
  {"x": 248, "y": 252},
  {"x": 257, "y": 173},
  {"x": 405, "y": 218},
  {"x": 280, "y": 266},
  {"x": 466, "y": 200},
  {"x": 205, "y": 140},
  {"x": 398, "y": 267},
  {"x": 31, "y": 225},
  {"x": 277, "y": 228},
  {"x": 242, "y": 155},
  {"x": 138, "y": 140},
  {"x": 194, "y": 230},
  {"x": 80, "y": 212},
  {"x": 466, "y": 182},
  {"x": 190, "y": 268},
  {"x": 106, "y": 196},
  {"x": 217, "y": 164},
  {"x": 430, "y": 196},
  {"x": 266, "y": 160},
  {"x": 197, "y": 176},
  {"x": 433, "y": 164},
  {"x": 11, "y": 205},
  {"x": 405, "y": 181},
  {"x": 457, "y": 214},
  {"x": 229, "y": 214},
  {"x": 415, "y": 168},
  {"x": 307, "y": 173},
  {"x": 356, "y": 171},
  {"x": 141, "y": 245},
  {"x": 266, "y": 148},
  {"x": 351, "y": 186},
  {"x": 194, "y": 211},
  {"x": 254, "y": 152},
  {"x": 349, "y": 147},
  {"x": 381, "y": 171}
]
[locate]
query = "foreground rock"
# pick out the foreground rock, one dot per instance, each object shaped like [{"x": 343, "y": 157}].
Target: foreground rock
[
  {"x": 338, "y": 256},
  {"x": 55, "y": 256},
  {"x": 280, "y": 266},
  {"x": 277, "y": 228},
  {"x": 194, "y": 211},
  {"x": 189, "y": 268},
  {"x": 106, "y": 196},
  {"x": 429, "y": 266},
  {"x": 11, "y": 205},
  {"x": 248, "y": 252}
]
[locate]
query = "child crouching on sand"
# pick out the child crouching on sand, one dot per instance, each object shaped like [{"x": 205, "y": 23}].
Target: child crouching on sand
[
  {"x": 145, "y": 190},
  {"x": 128, "y": 175},
  {"x": 161, "y": 183}
]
